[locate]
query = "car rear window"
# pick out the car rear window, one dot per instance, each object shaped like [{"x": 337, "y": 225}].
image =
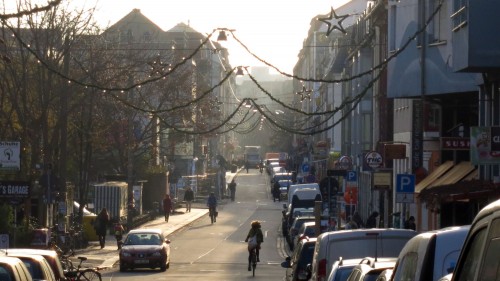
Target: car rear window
[{"x": 307, "y": 255}]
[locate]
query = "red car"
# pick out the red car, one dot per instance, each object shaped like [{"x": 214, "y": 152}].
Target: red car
[{"x": 145, "y": 248}]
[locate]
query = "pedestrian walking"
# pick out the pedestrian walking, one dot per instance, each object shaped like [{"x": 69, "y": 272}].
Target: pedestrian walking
[
  {"x": 118, "y": 228},
  {"x": 188, "y": 197},
  {"x": 410, "y": 223},
  {"x": 232, "y": 189},
  {"x": 371, "y": 222},
  {"x": 357, "y": 219},
  {"x": 167, "y": 206},
  {"x": 101, "y": 225}
]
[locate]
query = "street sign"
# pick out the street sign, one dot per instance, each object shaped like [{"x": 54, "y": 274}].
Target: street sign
[
  {"x": 405, "y": 183},
  {"x": 374, "y": 159},
  {"x": 405, "y": 197},
  {"x": 405, "y": 188},
  {"x": 351, "y": 176}
]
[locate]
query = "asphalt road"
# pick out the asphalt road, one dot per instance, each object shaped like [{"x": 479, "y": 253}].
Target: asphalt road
[{"x": 205, "y": 251}]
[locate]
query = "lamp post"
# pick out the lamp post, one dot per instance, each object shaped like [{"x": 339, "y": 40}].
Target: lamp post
[{"x": 195, "y": 172}]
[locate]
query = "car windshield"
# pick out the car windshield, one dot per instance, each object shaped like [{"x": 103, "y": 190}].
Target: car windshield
[
  {"x": 4, "y": 273},
  {"x": 143, "y": 239},
  {"x": 33, "y": 268},
  {"x": 343, "y": 273}
]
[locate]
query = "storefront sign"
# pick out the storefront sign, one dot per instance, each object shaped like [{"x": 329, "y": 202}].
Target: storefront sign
[
  {"x": 485, "y": 145},
  {"x": 382, "y": 180},
  {"x": 455, "y": 143},
  {"x": 14, "y": 189},
  {"x": 374, "y": 159}
]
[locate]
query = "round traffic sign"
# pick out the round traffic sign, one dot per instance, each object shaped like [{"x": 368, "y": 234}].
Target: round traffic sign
[{"x": 374, "y": 159}]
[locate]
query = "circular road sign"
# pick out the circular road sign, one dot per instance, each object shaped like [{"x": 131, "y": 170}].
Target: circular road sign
[{"x": 374, "y": 159}]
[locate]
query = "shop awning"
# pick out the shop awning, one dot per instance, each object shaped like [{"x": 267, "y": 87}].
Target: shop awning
[
  {"x": 454, "y": 175},
  {"x": 434, "y": 175}
]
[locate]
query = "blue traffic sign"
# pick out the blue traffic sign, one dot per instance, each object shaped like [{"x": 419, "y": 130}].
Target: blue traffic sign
[
  {"x": 351, "y": 176},
  {"x": 405, "y": 183}
]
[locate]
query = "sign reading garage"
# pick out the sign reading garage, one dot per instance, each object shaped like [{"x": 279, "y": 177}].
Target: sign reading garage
[{"x": 14, "y": 189}]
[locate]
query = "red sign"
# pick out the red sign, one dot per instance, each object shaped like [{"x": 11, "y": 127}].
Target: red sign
[
  {"x": 455, "y": 143},
  {"x": 351, "y": 195}
]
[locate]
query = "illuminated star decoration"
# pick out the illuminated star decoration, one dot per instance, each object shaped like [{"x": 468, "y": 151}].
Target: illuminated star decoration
[
  {"x": 304, "y": 94},
  {"x": 158, "y": 67},
  {"x": 337, "y": 24}
]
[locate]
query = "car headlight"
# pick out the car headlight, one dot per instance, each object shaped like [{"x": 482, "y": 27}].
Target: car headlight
[{"x": 125, "y": 254}]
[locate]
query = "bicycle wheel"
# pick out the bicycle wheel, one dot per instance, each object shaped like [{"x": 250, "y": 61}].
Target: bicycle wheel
[
  {"x": 254, "y": 262},
  {"x": 89, "y": 275}
]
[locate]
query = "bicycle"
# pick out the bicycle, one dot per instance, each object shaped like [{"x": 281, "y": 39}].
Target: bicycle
[
  {"x": 83, "y": 274},
  {"x": 212, "y": 212},
  {"x": 253, "y": 260}
]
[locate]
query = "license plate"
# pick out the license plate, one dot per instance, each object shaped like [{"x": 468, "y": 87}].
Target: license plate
[{"x": 141, "y": 261}]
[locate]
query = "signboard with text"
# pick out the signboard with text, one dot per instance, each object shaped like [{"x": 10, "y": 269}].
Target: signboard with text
[
  {"x": 10, "y": 155},
  {"x": 14, "y": 189},
  {"x": 485, "y": 145}
]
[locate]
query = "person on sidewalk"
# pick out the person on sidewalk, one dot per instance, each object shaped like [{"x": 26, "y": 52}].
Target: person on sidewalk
[
  {"x": 167, "y": 206},
  {"x": 232, "y": 189},
  {"x": 371, "y": 222},
  {"x": 188, "y": 197},
  {"x": 101, "y": 225},
  {"x": 118, "y": 228},
  {"x": 212, "y": 206}
]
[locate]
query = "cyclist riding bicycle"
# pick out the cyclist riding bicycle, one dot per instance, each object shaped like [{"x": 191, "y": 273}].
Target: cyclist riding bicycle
[
  {"x": 256, "y": 231},
  {"x": 212, "y": 206}
]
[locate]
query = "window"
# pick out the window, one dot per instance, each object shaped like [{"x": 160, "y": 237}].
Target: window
[
  {"x": 392, "y": 28},
  {"x": 472, "y": 255},
  {"x": 490, "y": 270},
  {"x": 406, "y": 267},
  {"x": 459, "y": 15},
  {"x": 436, "y": 25}
]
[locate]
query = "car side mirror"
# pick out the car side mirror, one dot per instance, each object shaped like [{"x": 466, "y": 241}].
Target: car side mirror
[
  {"x": 167, "y": 241},
  {"x": 309, "y": 269},
  {"x": 286, "y": 263}
]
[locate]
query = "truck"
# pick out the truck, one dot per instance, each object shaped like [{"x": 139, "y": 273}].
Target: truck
[
  {"x": 113, "y": 196},
  {"x": 252, "y": 156}
]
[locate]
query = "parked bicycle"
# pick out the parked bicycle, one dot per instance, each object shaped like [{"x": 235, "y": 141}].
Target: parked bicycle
[{"x": 83, "y": 274}]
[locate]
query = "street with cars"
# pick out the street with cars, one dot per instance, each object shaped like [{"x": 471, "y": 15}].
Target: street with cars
[{"x": 190, "y": 247}]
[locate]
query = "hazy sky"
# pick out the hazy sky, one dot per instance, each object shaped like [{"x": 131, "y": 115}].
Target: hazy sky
[{"x": 272, "y": 29}]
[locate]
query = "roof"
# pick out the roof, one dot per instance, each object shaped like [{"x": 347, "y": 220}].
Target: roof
[
  {"x": 146, "y": 230},
  {"x": 453, "y": 175},
  {"x": 438, "y": 172}
]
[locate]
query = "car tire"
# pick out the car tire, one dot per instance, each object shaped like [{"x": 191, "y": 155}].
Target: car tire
[
  {"x": 123, "y": 268},
  {"x": 163, "y": 267}
]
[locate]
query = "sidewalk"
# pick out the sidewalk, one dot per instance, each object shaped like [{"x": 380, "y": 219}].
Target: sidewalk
[{"x": 108, "y": 256}]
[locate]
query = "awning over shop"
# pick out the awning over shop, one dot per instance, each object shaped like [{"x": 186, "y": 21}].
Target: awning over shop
[
  {"x": 434, "y": 175},
  {"x": 454, "y": 175},
  {"x": 459, "y": 183}
]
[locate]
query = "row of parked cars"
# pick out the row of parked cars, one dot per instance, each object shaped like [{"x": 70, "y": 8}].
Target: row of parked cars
[
  {"x": 30, "y": 264},
  {"x": 461, "y": 253}
]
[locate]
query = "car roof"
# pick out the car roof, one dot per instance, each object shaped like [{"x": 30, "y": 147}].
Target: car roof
[
  {"x": 146, "y": 230},
  {"x": 9, "y": 260},
  {"x": 40, "y": 252}
]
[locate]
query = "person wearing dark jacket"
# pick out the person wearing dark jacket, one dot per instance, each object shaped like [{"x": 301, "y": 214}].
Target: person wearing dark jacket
[
  {"x": 410, "y": 223},
  {"x": 357, "y": 219},
  {"x": 188, "y": 197},
  {"x": 212, "y": 207},
  {"x": 371, "y": 222},
  {"x": 101, "y": 225},
  {"x": 167, "y": 206},
  {"x": 232, "y": 189}
]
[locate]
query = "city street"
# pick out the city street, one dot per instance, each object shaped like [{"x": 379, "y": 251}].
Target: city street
[{"x": 205, "y": 251}]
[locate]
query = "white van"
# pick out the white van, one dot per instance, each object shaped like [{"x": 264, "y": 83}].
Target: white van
[
  {"x": 480, "y": 255},
  {"x": 430, "y": 255},
  {"x": 356, "y": 243},
  {"x": 295, "y": 187}
]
